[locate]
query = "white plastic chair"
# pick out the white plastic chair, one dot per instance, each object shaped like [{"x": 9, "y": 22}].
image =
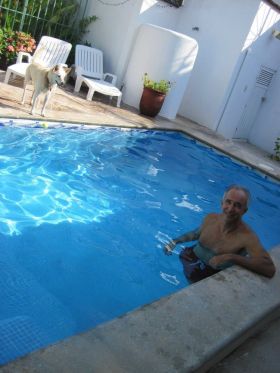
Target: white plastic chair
[
  {"x": 89, "y": 70},
  {"x": 49, "y": 52}
]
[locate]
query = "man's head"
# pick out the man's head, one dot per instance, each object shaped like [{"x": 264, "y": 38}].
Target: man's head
[{"x": 235, "y": 202}]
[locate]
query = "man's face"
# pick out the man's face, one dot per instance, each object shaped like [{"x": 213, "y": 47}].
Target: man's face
[{"x": 234, "y": 204}]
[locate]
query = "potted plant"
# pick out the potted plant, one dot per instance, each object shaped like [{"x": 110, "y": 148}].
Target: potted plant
[{"x": 153, "y": 95}]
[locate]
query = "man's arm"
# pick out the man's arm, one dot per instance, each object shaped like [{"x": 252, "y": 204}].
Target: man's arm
[
  {"x": 186, "y": 237},
  {"x": 258, "y": 261}
]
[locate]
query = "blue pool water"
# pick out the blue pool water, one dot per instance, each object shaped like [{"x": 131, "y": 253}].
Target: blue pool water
[{"x": 85, "y": 215}]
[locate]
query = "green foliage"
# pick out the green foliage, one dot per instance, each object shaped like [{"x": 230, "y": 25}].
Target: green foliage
[
  {"x": 58, "y": 24},
  {"x": 61, "y": 19},
  {"x": 163, "y": 86},
  {"x": 12, "y": 42},
  {"x": 276, "y": 149}
]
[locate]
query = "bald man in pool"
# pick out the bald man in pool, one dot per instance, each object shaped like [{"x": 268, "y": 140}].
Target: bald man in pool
[{"x": 223, "y": 240}]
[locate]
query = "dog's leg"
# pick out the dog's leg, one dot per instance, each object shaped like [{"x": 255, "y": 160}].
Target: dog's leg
[
  {"x": 27, "y": 79},
  {"x": 47, "y": 98},
  {"x": 34, "y": 99},
  {"x": 24, "y": 92}
]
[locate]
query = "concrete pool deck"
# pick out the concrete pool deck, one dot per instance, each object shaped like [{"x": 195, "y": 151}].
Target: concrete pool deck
[{"x": 169, "y": 335}]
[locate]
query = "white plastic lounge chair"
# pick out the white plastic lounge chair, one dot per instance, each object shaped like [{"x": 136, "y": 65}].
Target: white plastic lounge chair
[
  {"x": 49, "y": 52},
  {"x": 89, "y": 70}
]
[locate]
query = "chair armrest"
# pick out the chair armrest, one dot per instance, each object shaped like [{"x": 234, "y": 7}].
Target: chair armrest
[
  {"x": 110, "y": 78},
  {"x": 23, "y": 54}
]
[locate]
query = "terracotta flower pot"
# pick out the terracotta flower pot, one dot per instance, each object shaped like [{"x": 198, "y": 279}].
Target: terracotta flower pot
[{"x": 151, "y": 102}]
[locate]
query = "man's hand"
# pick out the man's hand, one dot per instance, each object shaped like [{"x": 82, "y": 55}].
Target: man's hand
[
  {"x": 218, "y": 260},
  {"x": 168, "y": 248},
  {"x": 261, "y": 264}
]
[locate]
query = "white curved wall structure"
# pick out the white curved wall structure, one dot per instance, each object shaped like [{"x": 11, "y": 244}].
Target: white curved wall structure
[
  {"x": 223, "y": 31},
  {"x": 163, "y": 54}
]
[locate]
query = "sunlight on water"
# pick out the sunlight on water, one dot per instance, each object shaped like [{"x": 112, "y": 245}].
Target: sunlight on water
[
  {"x": 85, "y": 215},
  {"x": 50, "y": 180}
]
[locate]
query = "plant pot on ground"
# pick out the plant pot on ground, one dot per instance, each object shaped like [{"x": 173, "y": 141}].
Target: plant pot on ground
[{"x": 153, "y": 96}]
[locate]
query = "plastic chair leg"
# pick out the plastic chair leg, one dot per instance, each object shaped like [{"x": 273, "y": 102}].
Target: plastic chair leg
[
  {"x": 90, "y": 93},
  {"x": 78, "y": 85},
  {"x": 7, "y": 76},
  {"x": 119, "y": 100}
]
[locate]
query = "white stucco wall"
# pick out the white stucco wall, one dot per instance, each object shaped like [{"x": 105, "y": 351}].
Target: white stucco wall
[
  {"x": 163, "y": 54},
  {"x": 267, "y": 127},
  {"x": 160, "y": 14},
  {"x": 223, "y": 27},
  {"x": 223, "y": 36},
  {"x": 115, "y": 31},
  {"x": 260, "y": 50}
]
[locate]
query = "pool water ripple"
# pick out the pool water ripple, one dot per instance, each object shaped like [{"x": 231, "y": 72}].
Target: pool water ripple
[{"x": 84, "y": 218}]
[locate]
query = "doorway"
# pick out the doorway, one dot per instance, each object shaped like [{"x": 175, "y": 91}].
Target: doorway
[{"x": 254, "y": 103}]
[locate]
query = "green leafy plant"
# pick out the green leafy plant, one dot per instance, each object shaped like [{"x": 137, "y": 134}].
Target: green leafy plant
[
  {"x": 12, "y": 42},
  {"x": 276, "y": 149},
  {"x": 74, "y": 34},
  {"x": 64, "y": 19},
  {"x": 162, "y": 86}
]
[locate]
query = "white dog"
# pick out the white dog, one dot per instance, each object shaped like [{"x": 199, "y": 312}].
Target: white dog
[{"x": 45, "y": 80}]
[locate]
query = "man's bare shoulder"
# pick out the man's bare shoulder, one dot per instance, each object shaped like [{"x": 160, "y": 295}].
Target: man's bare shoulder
[
  {"x": 247, "y": 231},
  {"x": 211, "y": 217},
  {"x": 252, "y": 236}
]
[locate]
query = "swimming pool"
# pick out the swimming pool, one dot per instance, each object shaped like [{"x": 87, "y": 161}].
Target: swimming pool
[{"x": 85, "y": 214}]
